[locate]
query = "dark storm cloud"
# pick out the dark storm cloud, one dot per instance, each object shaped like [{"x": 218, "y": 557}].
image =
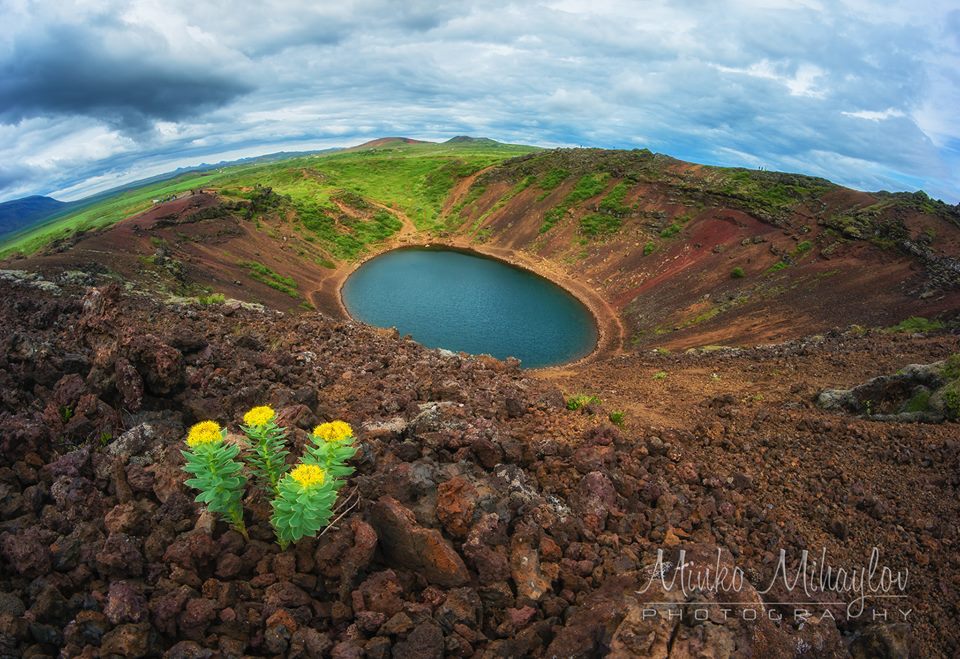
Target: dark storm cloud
[
  {"x": 70, "y": 70},
  {"x": 99, "y": 93},
  {"x": 13, "y": 176}
]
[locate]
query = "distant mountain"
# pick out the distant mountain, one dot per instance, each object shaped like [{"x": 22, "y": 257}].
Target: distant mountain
[
  {"x": 386, "y": 141},
  {"x": 20, "y": 213},
  {"x": 466, "y": 139}
]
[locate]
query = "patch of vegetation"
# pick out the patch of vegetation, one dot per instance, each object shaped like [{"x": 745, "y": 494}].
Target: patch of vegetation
[
  {"x": 552, "y": 179},
  {"x": 613, "y": 202},
  {"x": 346, "y": 237},
  {"x": 617, "y": 418},
  {"x": 483, "y": 235},
  {"x": 351, "y": 199},
  {"x": 551, "y": 217},
  {"x": 881, "y": 223},
  {"x": 737, "y": 273},
  {"x": 916, "y": 324},
  {"x": 660, "y": 375},
  {"x": 578, "y": 401},
  {"x": 778, "y": 266},
  {"x": 951, "y": 367},
  {"x": 212, "y": 298},
  {"x": 588, "y": 186},
  {"x": 265, "y": 275},
  {"x": 596, "y": 225},
  {"x": 770, "y": 195},
  {"x": 920, "y": 402},
  {"x": 649, "y": 248},
  {"x": 803, "y": 247},
  {"x": 671, "y": 230},
  {"x": 951, "y": 400}
]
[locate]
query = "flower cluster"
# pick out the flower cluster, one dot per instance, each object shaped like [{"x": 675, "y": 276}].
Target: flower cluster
[
  {"x": 216, "y": 471},
  {"x": 302, "y": 499},
  {"x": 332, "y": 445},
  {"x": 307, "y": 494},
  {"x": 259, "y": 416},
  {"x": 268, "y": 454},
  {"x": 205, "y": 432},
  {"x": 304, "y": 503},
  {"x": 334, "y": 431}
]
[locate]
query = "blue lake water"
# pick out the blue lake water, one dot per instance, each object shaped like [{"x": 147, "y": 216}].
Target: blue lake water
[{"x": 462, "y": 302}]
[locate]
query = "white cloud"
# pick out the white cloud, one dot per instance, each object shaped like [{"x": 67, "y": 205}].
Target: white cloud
[
  {"x": 808, "y": 86},
  {"x": 875, "y": 115},
  {"x": 800, "y": 82}
]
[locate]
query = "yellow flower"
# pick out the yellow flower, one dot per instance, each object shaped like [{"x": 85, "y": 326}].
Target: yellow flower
[
  {"x": 259, "y": 416},
  {"x": 205, "y": 432},
  {"x": 335, "y": 431},
  {"x": 308, "y": 475}
]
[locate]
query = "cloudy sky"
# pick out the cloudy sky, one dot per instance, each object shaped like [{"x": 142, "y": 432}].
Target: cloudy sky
[{"x": 96, "y": 93}]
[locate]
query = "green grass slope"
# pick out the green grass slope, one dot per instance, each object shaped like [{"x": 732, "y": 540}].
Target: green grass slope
[{"x": 414, "y": 178}]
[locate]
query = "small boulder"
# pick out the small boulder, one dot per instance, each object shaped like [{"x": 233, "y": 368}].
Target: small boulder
[{"x": 408, "y": 545}]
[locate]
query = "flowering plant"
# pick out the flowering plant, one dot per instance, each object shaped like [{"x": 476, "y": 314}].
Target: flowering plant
[
  {"x": 332, "y": 447},
  {"x": 304, "y": 503},
  {"x": 268, "y": 452},
  {"x": 303, "y": 500},
  {"x": 217, "y": 473}
]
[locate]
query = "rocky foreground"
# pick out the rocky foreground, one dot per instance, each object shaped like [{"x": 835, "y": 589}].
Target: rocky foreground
[{"x": 491, "y": 520}]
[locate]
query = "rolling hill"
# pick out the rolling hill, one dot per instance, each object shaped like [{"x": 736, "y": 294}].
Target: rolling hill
[
  {"x": 665, "y": 253},
  {"x": 21, "y": 213},
  {"x": 499, "y": 511}
]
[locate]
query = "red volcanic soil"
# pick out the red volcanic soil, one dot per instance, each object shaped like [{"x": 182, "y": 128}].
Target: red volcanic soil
[
  {"x": 801, "y": 276},
  {"x": 199, "y": 242},
  {"x": 492, "y": 521}
]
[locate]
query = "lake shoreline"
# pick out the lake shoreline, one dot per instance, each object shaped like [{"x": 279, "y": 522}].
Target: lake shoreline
[
  {"x": 460, "y": 300},
  {"x": 610, "y": 330}
]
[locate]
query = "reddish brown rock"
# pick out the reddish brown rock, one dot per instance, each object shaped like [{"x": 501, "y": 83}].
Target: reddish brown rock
[
  {"x": 125, "y": 603},
  {"x": 406, "y": 544},
  {"x": 285, "y": 595},
  {"x": 531, "y": 582},
  {"x": 160, "y": 365},
  {"x": 307, "y": 643},
  {"x": 456, "y": 503},
  {"x": 120, "y": 556},
  {"x": 461, "y": 606},
  {"x": 381, "y": 592},
  {"x": 191, "y": 550},
  {"x": 28, "y": 551},
  {"x": 129, "y": 384},
  {"x": 130, "y": 641},
  {"x": 131, "y": 518},
  {"x": 593, "y": 458},
  {"x": 597, "y": 497},
  {"x": 198, "y": 614},
  {"x": 424, "y": 642}
]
